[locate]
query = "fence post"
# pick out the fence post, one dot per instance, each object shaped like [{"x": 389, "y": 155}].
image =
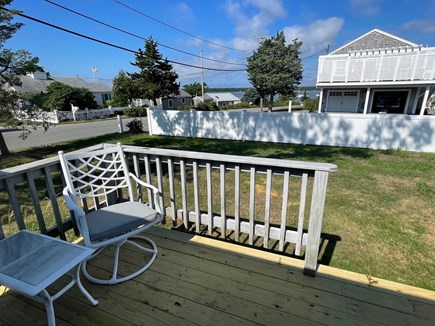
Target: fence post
[
  {"x": 315, "y": 222},
  {"x": 119, "y": 118},
  {"x": 150, "y": 120}
]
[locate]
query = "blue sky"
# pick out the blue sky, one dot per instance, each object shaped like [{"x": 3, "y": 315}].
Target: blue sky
[{"x": 226, "y": 31}]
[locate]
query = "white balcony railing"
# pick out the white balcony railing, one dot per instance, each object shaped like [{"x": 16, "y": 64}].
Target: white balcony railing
[
  {"x": 386, "y": 65},
  {"x": 279, "y": 201}
]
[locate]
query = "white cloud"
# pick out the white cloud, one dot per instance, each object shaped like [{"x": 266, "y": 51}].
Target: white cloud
[
  {"x": 264, "y": 13},
  {"x": 425, "y": 26},
  {"x": 366, "y": 7},
  {"x": 315, "y": 36}
]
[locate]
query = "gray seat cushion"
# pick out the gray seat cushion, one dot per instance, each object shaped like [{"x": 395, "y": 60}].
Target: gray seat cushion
[{"x": 114, "y": 220}]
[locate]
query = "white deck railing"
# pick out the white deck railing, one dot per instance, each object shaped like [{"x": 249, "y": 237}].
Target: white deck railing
[
  {"x": 239, "y": 198},
  {"x": 412, "y": 64}
]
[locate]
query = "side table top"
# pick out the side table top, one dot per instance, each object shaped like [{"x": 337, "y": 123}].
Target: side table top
[{"x": 29, "y": 261}]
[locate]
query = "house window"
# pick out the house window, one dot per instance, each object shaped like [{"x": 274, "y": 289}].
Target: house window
[
  {"x": 170, "y": 104},
  {"x": 350, "y": 93},
  {"x": 335, "y": 93},
  {"x": 182, "y": 100}
]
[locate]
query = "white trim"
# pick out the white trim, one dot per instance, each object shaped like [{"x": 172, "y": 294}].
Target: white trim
[
  {"x": 425, "y": 98},
  {"x": 417, "y": 96},
  {"x": 377, "y": 84},
  {"x": 367, "y": 100},
  {"x": 320, "y": 101}
]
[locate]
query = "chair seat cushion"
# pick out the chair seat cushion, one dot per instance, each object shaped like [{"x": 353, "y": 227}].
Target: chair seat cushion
[{"x": 114, "y": 220}]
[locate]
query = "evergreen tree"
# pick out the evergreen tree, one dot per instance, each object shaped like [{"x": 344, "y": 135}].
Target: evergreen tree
[
  {"x": 123, "y": 89},
  {"x": 275, "y": 67},
  {"x": 195, "y": 89},
  {"x": 155, "y": 77},
  {"x": 13, "y": 64}
]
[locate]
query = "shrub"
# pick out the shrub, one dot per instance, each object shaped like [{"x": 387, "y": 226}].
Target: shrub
[
  {"x": 136, "y": 112},
  {"x": 135, "y": 126},
  {"x": 311, "y": 105},
  {"x": 209, "y": 106}
]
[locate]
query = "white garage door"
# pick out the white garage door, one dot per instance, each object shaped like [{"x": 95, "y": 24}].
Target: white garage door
[{"x": 342, "y": 101}]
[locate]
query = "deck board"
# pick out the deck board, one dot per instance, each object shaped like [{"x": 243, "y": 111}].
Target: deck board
[{"x": 200, "y": 281}]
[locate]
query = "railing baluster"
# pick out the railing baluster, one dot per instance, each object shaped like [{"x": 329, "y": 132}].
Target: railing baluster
[
  {"x": 237, "y": 202},
  {"x": 209, "y": 198},
  {"x": 172, "y": 191},
  {"x": 223, "y": 206},
  {"x": 36, "y": 202},
  {"x": 302, "y": 201},
  {"x": 196, "y": 196},
  {"x": 147, "y": 164},
  {"x": 136, "y": 167},
  {"x": 252, "y": 206},
  {"x": 184, "y": 193},
  {"x": 160, "y": 185},
  {"x": 267, "y": 209},
  {"x": 284, "y": 210},
  {"x": 53, "y": 200},
  {"x": 16, "y": 207}
]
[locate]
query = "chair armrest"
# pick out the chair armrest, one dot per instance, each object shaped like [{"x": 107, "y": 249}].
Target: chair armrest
[
  {"x": 71, "y": 204},
  {"x": 155, "y": 191}
]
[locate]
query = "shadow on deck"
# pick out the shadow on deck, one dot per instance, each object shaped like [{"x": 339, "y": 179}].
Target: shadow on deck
[{"x": 200, "y": 281}]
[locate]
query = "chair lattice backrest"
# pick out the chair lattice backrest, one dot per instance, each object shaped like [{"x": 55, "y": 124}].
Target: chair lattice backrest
[{"x": 96, "y": 173}]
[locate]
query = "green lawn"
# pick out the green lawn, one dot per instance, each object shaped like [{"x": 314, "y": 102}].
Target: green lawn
[{"x": 380, "y": 204}]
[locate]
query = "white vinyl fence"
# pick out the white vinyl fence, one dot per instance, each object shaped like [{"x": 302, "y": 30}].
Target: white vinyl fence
[
  {"x": 59, "y": 116},
  {"x": 377, "y": 131}
]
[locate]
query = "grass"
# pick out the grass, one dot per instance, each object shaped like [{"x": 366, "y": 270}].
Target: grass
[{"x": 380, "y": 204}]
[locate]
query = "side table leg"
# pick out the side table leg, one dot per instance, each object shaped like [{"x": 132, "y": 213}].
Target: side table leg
[
  {"x": 82, "y": 288},
  {"x": 48, "y": 303}
]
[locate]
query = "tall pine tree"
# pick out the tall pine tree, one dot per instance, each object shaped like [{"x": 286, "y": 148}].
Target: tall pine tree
[
  {"x": 13, "y": 64},
  {"x": 155, "y": 77},
  {"x": 275, "y": 68}
]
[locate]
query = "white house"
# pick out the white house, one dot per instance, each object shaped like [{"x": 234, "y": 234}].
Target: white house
[
  {"x": 37, "y": 82},
  {"x": 377, "y": 72},
  {"x": 170, "y": 102}
]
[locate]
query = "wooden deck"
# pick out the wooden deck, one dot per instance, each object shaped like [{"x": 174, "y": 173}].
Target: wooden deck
[{"x": 199, "y": 281}]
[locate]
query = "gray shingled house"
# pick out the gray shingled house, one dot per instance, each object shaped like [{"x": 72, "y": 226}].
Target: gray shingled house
[
  {"x": 377, "y": 72},
  {"x": 38, "y": 81},
  {"x": 172, "y": 102}
]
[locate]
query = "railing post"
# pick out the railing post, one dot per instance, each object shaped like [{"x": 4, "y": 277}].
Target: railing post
[{"x": 315, "y": 223}]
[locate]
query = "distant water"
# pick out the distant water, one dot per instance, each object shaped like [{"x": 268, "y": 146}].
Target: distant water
[{"x": 311, "y": 93}]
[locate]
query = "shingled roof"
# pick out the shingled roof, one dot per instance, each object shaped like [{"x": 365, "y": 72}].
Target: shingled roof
[
  {"x": 33, "y": 85},
  {"x": 375, "y": 39}
]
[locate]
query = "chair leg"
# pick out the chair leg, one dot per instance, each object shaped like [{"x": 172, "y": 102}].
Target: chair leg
[{"x": 115, "y": 279}]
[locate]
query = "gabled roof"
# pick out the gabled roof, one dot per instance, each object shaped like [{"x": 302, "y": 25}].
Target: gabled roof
[
  {"x": 182, "y": 94},
  {"x": 223, "y": 97},
  {"x": 32, "y": 85},
  {"x": 375, "y": 39}
]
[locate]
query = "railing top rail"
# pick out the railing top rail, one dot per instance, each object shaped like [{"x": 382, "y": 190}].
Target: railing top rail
[
  {"x": 249, "y": 160},
  {"x": 20, "y": 169},
  {"x": 23, "y": 168}
]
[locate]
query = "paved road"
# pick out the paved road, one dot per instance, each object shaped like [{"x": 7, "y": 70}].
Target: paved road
[{"x": 65, "y": 132}]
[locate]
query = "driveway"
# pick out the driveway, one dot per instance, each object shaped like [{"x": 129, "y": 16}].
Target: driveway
[{"x": 65, "y": 132}]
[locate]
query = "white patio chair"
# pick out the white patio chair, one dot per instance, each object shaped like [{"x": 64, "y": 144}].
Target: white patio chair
[{"x": 101, "y": 175}]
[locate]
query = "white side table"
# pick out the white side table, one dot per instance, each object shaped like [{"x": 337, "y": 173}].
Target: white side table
[{"x": 30, "y": 262}]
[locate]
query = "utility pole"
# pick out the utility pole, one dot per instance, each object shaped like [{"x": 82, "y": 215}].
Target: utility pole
[{"x": 202, "y": 78}]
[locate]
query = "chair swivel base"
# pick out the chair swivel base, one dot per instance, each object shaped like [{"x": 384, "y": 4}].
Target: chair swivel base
[{"x": 115, "y": 279}]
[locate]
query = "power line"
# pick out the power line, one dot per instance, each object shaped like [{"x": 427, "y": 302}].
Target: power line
[
  {"x": 317, "y": 53},
  {"x": 138, "y": 36},
  {"x": 177, "y": 29},
  {"x": 111, "y": 44}
]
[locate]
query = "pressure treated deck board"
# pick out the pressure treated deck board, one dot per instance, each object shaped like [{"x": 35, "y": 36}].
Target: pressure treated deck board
[{"x": 201, "y": 281}]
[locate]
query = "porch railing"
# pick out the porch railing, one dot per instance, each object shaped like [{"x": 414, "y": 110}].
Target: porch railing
[
  {"x": 381, "y": 65},
  {"x": 265, "y": 202}
]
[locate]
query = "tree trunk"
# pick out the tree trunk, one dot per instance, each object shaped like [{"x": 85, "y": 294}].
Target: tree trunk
[
  {"x": 3, "y": 147},
  {"x": 270, "y": 102}
]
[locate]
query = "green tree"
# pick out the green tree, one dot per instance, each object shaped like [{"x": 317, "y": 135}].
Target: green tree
[
  {"x": 13, "y": 64},
  {"x": 123, "y": 89},
  {"x": 155, "y": 77},
  {"x": 251, "y": 96},
  {"x": 60, "y": 97},
  {"x": 195, "y": 89},
  {"x": 275, "y": 67}
]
